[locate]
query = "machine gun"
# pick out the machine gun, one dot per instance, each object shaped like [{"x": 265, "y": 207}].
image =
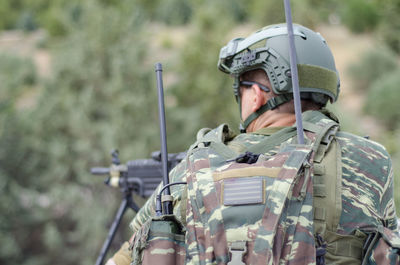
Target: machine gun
[{"x": 141, "y": 176}]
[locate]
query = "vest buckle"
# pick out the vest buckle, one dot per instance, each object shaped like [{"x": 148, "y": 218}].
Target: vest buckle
[{"x": 237, "y": 250}]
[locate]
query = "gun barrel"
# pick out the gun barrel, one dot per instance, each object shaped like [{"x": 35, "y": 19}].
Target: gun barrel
[{"x": 100, "y": 171}]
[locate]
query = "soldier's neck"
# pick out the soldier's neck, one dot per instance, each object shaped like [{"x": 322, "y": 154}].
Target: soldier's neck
[{"x": 272, "y": 119}]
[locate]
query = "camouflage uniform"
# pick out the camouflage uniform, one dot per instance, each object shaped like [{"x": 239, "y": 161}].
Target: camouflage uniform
[{"x": 364, "y": 196}]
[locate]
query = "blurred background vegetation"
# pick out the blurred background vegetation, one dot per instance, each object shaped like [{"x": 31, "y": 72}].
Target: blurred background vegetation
[{"x": 77, "y": 79}]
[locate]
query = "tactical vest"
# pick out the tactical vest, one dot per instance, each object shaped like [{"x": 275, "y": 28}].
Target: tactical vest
[
  {"x": 283, "y": 208},
  {"x": 252, "y": 213}
]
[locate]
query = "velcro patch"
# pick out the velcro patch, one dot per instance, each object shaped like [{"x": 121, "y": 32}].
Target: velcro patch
[{"x": 242, "y": 191}]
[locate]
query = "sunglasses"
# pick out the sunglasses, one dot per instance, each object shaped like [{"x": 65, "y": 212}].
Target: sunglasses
[{"x": 248, "y": 84}]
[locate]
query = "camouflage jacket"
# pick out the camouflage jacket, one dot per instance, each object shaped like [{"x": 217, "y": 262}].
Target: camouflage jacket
[{"x": 365, "y": 194}]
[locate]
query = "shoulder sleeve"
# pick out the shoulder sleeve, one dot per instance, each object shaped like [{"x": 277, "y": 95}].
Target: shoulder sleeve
[
  {"x": 145, "y": 213},
  {"x": 367, "y": 182},
  {"x": 148, "y": 209},
  {"x": 387, "y": 201}
]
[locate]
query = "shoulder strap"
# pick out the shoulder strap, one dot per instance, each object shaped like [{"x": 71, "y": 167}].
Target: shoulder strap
[
  {"x": 264, "y": 146},
  {"x": 327, "y": 183},
  {"x": 219, "y": 135},
  {"x": 327, "y": 195},
  {"x": 324, "y": 135},
  {"x": 327, "y": 200},
  {"x": 273, "y": 140},
  {"x": 327, "y": 173}
]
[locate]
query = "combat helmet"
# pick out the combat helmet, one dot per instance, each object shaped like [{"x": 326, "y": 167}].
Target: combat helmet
[{"x": 267, "y": 49}]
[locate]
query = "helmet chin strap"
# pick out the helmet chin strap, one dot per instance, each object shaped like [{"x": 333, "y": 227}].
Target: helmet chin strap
[{"x": 271, "y": 104}]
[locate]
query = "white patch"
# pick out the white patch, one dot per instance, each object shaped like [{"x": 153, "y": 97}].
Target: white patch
[{"x": 163, "y": 251}]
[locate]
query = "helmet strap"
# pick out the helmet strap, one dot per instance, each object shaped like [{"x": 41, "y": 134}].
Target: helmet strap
[{"x": 270, "y": 105}]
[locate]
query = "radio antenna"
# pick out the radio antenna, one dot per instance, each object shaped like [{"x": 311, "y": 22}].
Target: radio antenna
[
  {"x": 164, "y": 153},
  {"x": 294, "y": 74}
]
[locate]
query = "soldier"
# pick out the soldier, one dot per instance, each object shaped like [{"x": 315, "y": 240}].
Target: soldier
[{"x": 261, "y": 198}]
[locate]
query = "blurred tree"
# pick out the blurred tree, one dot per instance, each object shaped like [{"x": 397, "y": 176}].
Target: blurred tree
[
  {"x": 266, "y": 12},
  {"x": 324, "y": 10},
  {"x": 50, "y": 15},
  {"x": 372, "y": 65},
  {"x": 8, "y": 13},
  {"x": 383, "y": 100},
  {"x": 17, "y": 76},
  {"x": 26, "y": 22},
  {"x": 360, "y": 15},
  {"x": 102, "y": 95},
  {"x": 204, "y": 94},
  {"x": 390, "y": 25},
  {"x": 173, "y": 12},
  {"x": 272, "y": 12}
]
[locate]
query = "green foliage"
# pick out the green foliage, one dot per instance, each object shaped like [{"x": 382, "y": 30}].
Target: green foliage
[
  {"x": 29, "y": 15},
  {"x": 8, "y": 14},
  {"x": 383, "y": 100},
  {"x": 27, "y": 22},
  {"x": 377, "y": 75},
  {"x": 54, "y": 16},
  {"x": 373, "y": 65},
  {"x": 178, "y": 12},
  {"x": 390, "y": 26},
  {"x": 360, "y": 15},
  {"x": 102, "y": 95},
  {"x": 174, "y": 12},
  {"x": 15, "y": 74},
  {"x": 54, "y": 22},
  {"x": 323, "y": 9},
  {"x": 204, "y": 95},
  {"x": 266, "y": 12},
  {"x": 233, "y": 11},
  {"x": 273, "y": 12}
]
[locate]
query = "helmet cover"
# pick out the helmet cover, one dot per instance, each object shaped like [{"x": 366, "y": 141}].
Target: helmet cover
[{"x": 267, "y": 49}]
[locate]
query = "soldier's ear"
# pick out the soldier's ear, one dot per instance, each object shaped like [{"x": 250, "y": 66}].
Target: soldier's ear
[{"x": 259, "y": 98}]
